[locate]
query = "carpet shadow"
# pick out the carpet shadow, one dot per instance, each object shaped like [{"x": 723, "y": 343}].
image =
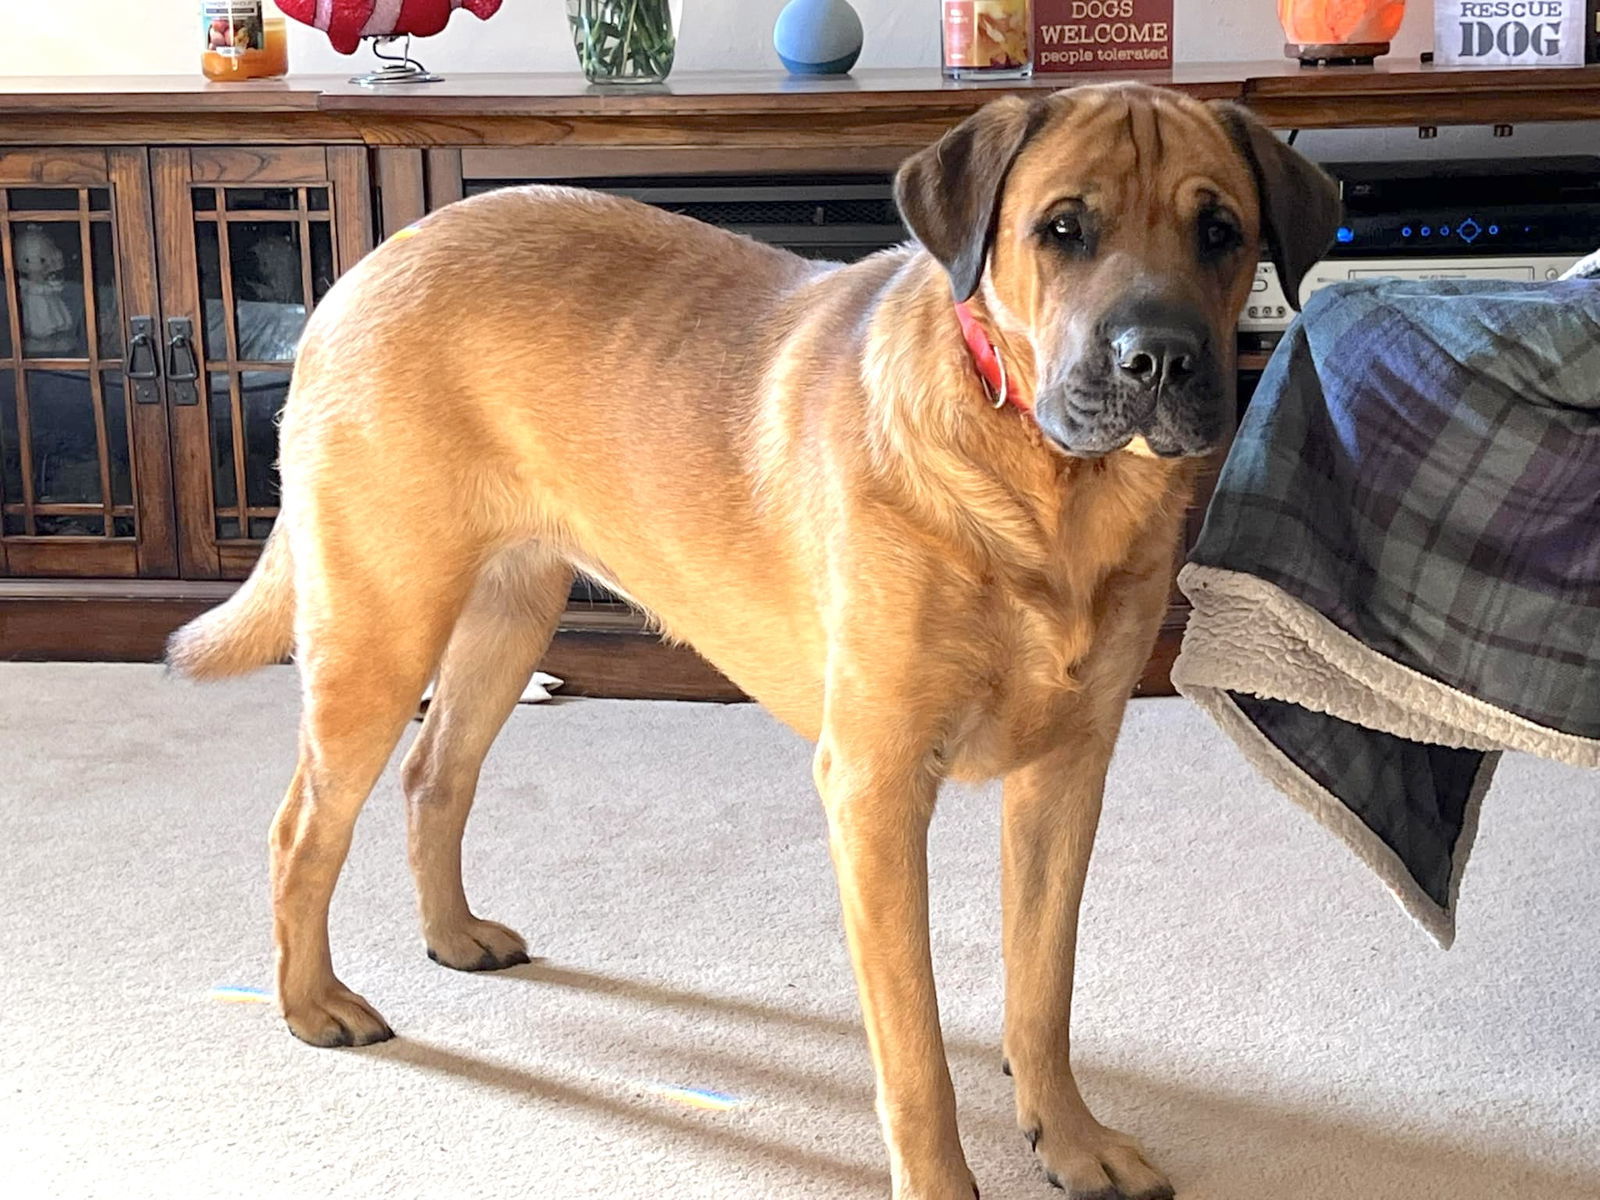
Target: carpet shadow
[
  {"x": 525, "y": 1084},
  {"x": 1217, "y": 1145},
  {"x": 1225, "y": 1146},
  {"x": 543, "y": 971}
]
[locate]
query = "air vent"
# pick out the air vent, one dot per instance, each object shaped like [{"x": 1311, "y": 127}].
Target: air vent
[{"x": 839, "y": 217}]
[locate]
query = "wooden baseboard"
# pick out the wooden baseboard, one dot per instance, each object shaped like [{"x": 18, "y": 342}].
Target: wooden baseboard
[
  {"x": 129, "y": 621},
  {"x": 633, "y": 666},
  {"x": 97, "y": 620},
  {"x": 1157, "y": 677}
]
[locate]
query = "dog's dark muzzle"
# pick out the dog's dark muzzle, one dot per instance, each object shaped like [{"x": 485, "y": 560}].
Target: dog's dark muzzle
[{"x": 1153, "y": 373}]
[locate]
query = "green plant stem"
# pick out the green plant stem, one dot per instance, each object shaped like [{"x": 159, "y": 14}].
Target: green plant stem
[
  {"x": 622, "y": 39},
  {"x": 627, "y": 33}
]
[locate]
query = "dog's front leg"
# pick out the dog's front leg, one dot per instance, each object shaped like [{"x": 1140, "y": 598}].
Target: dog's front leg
[
  {"x": 1052, "y": 808},
  {"x": 878, "y": 812}
]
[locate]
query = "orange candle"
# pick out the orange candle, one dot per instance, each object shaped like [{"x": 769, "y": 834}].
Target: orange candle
[{"x": 242, "y": 43}]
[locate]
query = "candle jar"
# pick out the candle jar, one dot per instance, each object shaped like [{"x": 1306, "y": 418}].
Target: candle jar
[
  {"x": 241, "y": 42},
  {"x": 987, "y": 39}
]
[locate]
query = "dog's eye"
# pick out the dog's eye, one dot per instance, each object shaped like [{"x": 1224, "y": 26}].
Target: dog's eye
[
  {"x": 1217, "y": 236},
  {"x": 1068, "y": 227}
]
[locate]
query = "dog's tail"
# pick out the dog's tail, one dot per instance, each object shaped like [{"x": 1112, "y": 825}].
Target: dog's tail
[{"x": 253, "y": 628}]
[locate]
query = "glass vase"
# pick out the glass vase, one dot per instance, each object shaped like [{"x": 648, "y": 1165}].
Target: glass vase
[{"x": 624, "y": 41}]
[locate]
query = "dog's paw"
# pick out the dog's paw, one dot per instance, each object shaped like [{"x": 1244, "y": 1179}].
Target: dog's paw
[
  {"x": 1090, "y": 1162},
  {"x": 477, "y": 945},
  {"x": 338, "y": 1017}
]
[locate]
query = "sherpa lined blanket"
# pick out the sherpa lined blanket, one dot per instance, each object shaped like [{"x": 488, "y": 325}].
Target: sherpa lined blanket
[{"x": 1399, "y": 574}]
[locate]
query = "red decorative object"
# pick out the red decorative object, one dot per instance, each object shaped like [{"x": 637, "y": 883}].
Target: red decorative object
[{"x": 346, "y": 22}]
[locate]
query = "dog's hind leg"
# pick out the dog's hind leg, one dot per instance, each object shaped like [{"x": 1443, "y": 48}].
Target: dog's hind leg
[
  {"x": 378, "y": 601},
  {"x": 499, "y": 639}
]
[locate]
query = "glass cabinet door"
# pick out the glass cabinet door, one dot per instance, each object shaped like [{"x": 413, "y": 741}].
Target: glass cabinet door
[
  {"x": 85, "y": 488},
  {"x": 251, "y": 240}
]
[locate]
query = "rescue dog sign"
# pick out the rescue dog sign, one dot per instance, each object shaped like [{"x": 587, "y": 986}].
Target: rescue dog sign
[{"x": 1540, "y": 33}]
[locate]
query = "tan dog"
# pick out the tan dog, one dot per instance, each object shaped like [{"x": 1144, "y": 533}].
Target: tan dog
[{"x": 796, "y": 468}]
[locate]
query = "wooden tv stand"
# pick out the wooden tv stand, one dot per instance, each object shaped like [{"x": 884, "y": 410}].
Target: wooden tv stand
[{"x": 127, "y": 506}]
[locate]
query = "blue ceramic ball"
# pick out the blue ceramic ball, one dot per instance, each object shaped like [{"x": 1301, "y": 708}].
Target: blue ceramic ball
[{"x": 817, "y": 37}]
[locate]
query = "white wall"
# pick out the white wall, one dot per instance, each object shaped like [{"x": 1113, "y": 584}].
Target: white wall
[{"x": 161, "y": 37}]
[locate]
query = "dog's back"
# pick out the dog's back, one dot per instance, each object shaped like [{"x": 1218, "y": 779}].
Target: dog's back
[{"x": 527, "y": 360}]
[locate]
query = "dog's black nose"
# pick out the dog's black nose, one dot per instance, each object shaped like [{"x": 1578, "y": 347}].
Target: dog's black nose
[{"x": 1152, "y": 356}]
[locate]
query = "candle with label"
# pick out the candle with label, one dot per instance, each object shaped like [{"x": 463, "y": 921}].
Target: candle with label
[
  {"x": 242, "y": 42},
  {"x": 988, "y": 39}
]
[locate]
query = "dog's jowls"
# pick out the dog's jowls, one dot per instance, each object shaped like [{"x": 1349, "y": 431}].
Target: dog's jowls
[{"x": 795, "y": 468}]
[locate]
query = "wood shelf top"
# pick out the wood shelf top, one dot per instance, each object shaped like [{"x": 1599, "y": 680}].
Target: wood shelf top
[
  {"x": 744, "y": 92},
  {"x": 737, "y": 109},
  {"x": 63, "y": 95},
  {"x": 564, "y": 93}
]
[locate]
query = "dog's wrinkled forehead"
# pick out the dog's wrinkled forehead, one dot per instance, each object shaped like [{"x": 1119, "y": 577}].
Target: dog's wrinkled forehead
[{"x": 1127, "y": 147}]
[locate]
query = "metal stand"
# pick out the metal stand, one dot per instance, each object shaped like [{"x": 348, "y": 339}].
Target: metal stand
[{"x": 401, "y": 68}]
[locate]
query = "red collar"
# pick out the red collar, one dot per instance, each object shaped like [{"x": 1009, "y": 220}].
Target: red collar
[{"x": 987, "y": 360}]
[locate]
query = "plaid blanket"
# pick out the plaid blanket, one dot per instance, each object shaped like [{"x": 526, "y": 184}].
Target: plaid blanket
[{"x": 1399, "y": 575}]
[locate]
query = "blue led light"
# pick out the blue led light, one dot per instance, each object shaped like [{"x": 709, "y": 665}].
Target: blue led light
[
  {"x": 1494, "y": 231},
  {"x": 1444, "y": 231},
  {"x": 1426, "y": 230},
  {"x": 1346, "y": 234},
  {"x": 1406, "y": 232}
]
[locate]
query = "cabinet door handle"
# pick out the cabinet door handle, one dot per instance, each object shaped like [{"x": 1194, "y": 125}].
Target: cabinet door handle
[
  {"x": 183, "y": 365},
  {"x": 143, "y": 366}
]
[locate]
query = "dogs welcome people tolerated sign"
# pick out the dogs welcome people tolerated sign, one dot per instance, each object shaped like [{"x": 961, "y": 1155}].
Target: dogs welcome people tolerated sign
[{"x": 1101, "y": 35}]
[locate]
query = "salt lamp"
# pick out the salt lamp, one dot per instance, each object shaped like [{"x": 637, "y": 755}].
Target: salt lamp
[{"x": 1339, "y": 31}]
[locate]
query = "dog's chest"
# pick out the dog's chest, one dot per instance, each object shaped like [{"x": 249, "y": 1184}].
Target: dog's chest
[
  {"x": 1059, "y": 642},
  {"x": 1034, "y": 683}
]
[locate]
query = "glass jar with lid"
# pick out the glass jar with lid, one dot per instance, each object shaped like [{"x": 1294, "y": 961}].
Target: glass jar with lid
[
  {"x": 987, "y": 39},
  {"x": 241, "y": 42}
]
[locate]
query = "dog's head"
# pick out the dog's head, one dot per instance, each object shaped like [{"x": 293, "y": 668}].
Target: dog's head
[{"x": 1114, "y": 231}]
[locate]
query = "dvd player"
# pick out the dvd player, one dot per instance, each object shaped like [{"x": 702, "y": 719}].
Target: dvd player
[
  {"x": 1521, "y": 219},
  {"x": 1493, "y": 207},
  {"x": 1267, "y": 312}
]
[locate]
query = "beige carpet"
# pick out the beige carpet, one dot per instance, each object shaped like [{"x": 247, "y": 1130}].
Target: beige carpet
[{"x": 1251, "y": 1003}]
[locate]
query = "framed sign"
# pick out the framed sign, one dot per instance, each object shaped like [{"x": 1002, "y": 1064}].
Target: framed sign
[
  {"x": 1101, "y": 35},
  {"x": 1533, "y": 33}
]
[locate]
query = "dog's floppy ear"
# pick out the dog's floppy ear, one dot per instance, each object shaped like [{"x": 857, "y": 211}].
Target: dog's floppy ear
[
  {"x": 1300, "y": 207},
  {"x": 949, "y": 194}
]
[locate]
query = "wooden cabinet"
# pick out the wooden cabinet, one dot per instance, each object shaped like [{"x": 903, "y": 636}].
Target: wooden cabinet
[
  {"x": 151, "y": 302},
  {"x": 85, "y": 465},
  {"x": 162, "y": 241},
  {"x": 249, "y": 240}
]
